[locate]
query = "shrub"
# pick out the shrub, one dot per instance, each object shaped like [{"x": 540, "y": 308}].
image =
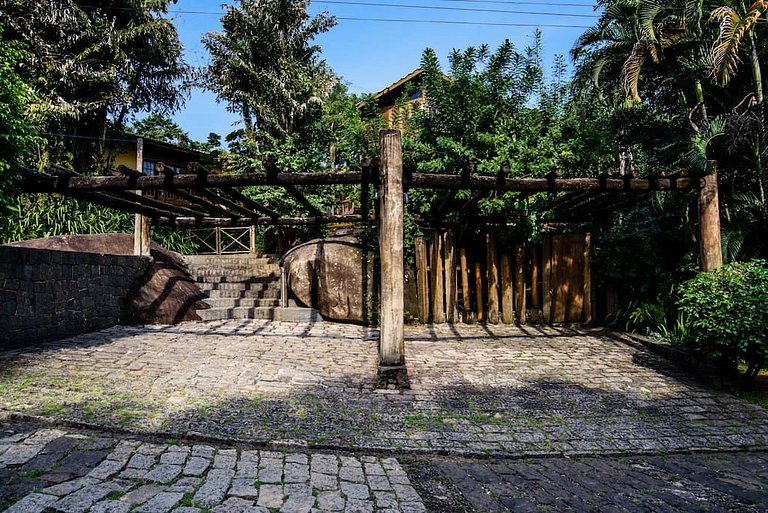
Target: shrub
[{"x": 727, "y": 314}]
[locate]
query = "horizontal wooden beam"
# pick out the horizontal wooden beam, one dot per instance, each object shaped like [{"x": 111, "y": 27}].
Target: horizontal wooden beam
[
  {"x": 44, "y": 183},
  {"x": 248, "y": 221},
  {"x": 441, "y": 181}
]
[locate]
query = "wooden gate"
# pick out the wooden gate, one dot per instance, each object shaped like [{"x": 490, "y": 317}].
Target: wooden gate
[{"x": 566, "y": 278}]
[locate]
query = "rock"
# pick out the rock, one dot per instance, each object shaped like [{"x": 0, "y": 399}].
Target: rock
[
  {"x": 327, "y": 275},
  {"x": 166, "y": 294}
]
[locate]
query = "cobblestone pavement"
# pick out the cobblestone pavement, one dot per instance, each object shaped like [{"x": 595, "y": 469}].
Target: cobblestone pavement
[
  {"x": 476, "y": 390},
  {"x": 48, "y": 469},
  {"x": 719, "y": 482}
]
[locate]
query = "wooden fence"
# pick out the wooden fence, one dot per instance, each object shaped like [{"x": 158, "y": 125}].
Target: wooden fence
[{"x": 483, "y": 281}]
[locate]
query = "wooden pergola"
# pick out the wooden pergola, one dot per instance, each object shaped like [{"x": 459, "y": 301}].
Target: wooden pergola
[{"x": 214, "y": 200}]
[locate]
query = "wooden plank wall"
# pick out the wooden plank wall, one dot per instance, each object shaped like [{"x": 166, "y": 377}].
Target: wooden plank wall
[{"x": 462, "y": 281}]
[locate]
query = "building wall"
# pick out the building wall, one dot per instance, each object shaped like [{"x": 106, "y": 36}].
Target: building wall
[{"x": 46, "y": 295}]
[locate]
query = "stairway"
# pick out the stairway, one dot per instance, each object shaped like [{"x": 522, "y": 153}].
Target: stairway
[{"x": 237, "y": 286}]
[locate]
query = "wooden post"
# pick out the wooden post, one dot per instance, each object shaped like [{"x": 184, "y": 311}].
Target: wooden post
[
  {"x": 438, "y": 308},
  {"x": 450, "y": 276},
  {"x": 520, "y": 307},
  {"x": 709, "y": 224},
  {"x": 392, "y": 343},
  {"x": 587, "y": 278},
  {"x": 535, "y": 278},
  {"x": 493, "y": 281},
  {"x": 422, "y": 285},
  {"x": 252, "y": 239},
  {"x": 283, "y": 286},
  {"x": 217, "y": 237},
  {"x": 479, "y": 291},
  {"x": 546, "y": 257},
  {"x": 464, "y": 284},
  {"x": 141, "y": 225},
  {"x": 507, "y": 310}
]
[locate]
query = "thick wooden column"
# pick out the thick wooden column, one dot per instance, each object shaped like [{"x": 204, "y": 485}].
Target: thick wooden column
[
  {"x": 465, "y": 285},
  {"x": 507, "y": 309},
  {"x": 141, "y": 224},
  {"x": 449, "y": 248},
  {"x": 709, "y": 224},
  {"x": 422, "y": 280},
  {"x": 438, "y": 308},
  {"x": 520, "y": 307},
  {"x": 493, "y": 281},
  {"x": 391, "y": 344}
]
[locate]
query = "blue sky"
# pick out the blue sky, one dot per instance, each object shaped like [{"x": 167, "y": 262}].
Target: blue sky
[{"x": 369, "y": 55}]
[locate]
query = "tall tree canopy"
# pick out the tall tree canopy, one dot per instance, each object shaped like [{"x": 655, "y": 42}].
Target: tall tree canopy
[
  {"x": 264, "y": 65},
  {"x": 93, "y": 63}
]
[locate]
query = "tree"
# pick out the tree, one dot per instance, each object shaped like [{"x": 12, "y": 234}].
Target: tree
[
  {"x": 264, "y": 65},
  {"x": 93, "y": 63},
  {"x": 17, "y": 134}
]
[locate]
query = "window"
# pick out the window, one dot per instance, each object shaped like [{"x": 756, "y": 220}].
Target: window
[{"x": 148, "y": 168}]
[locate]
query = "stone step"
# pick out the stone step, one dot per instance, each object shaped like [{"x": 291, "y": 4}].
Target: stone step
[
  {"x": 234, "y": 302},
  {"x": 238, "y": 285},
  {"x": 220, "y": 314},
  {"x": 239, "y": 257},
  {"x": 236, "y": 278},
  {"x": 271, "y": 293}
]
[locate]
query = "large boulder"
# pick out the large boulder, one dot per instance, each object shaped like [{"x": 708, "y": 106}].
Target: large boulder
[
  {"x": 330, "y": 275},
  {"x": 166, "y": 294}
]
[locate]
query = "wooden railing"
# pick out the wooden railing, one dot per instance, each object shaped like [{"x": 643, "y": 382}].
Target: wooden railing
[{"x": 224, "y": 241}]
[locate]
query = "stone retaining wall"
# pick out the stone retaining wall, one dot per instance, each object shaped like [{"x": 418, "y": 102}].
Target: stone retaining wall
[{"x": 46, "y": 295}]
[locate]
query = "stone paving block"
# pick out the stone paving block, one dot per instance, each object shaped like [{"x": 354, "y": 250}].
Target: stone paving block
[
  {"x": 185, "y": 484},
  {"x": 325, "y": 464},
  {"x": 110, "y": 507},
  {"x": 358, "y": 506},
  {"x": 32, "y": 503},
  {"x": 152, "y": 449},
  {"x": 160, "y": 503},
  {"x": 214, "y": 489},
  {"x": 82, "y": 499},
  {"x": 224, "y": 460},
  {"x": 330, "y": 501},
  {"x": 374, "y": 469},
  {"x": 233, "y": 505},
  {"x": 243, "y": 488},
  {"x": 142, "y": 461},
  {"x": 187, "y": 509},
  {"x": 142, "y": 494},
  {"x": 298, "y": 504},
  {"x": 355, "y": 491},
  {"x": 196, "y": 466},
  {"x": 291, "y": 489},
  {"x": 163, "y": 473},
  {"x": 379, "y": 483},
  {"x": 270, "y": 470},
  {"x": 106, "y": 469},
  {"x": 174, "y": 457},
  {"x": 385, "y": 500},
  {"x": 271, "y": 496},
  {"x": 203, "y": 451},
  {"x": 406, "y": 493},
  {"x": 352, "y": 474},
  {"x": 296, "y": 473},
  {"x": 60, "y": 490},
  {"x": 301, "y": 459},
  {"x": 324, "y": 481}
]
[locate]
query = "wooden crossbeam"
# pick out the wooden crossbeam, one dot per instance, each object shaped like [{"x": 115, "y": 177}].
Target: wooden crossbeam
[
  {"x": 212, "y": 208},
  {"x": 297, "y": 194},
  {"x": 151, "y": 202},
  {"x": 124, "y": 205},
  {"x": 418, "y": 180},
  {"x": 248, "y": 221},
  {"x": 249, "y": 203}
]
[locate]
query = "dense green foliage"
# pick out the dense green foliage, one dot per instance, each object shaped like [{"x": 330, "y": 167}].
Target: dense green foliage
[
  {"x": 726, "y": 315},
  {"x": 16, "y": 132}
]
